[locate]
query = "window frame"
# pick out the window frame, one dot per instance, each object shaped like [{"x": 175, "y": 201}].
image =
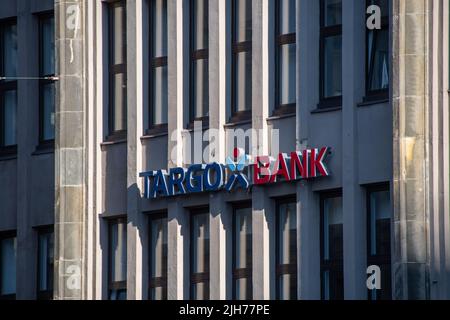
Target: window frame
[
  {"x": 115, "y": 285},
  {"x": 154, "y": 63},
  {"x": 47, "y": 294},
  {"x": 158, "y": 282},
  {"x": 116, "y": 69},
  {"x": 203, "y": 277},
  {"x": 241, "y": 273},
  {"x": 335, "y": 264},
  {"x": 379, "y": 94},
  {"x": 280, "y": 41},
  {"x": 44, "y": 80},
  {"x": 236, "y": 48},
  {"x": 326, "y": 32},
  {"x": 4, "y": 235},
  {"x": 5, "y": 86},
  {"x": 194, "y": 56},
  {"x": 379, "y": 260},
  {"x": 284, "y": 269}
]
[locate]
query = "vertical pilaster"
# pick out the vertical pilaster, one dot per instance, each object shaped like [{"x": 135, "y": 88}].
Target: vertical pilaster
[
  {"x": 354, "y": 221},
  {"x": 410, "y": 27},
  {"x": 308, "y": 217},
  {"x": 137, "y": 228},
  {"x": 70, "y": 152}
]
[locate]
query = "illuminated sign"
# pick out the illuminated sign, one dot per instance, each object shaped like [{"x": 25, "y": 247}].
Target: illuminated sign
[{"x": 239, "y": 172}]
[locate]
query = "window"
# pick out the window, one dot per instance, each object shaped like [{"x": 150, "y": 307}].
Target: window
[
  {"x": 242, "y": 253},
  {"x": 8, "y": 249},
  {"x": 200, "y": 255},
  {"x": 158, "y": 66},
  {"x": 379, "y": 238},
  {"x": 199, "y": 60},
  {"x": 158, "y": 257},
  {"x": 331, "y": 53},
  {"x": 117, "y": 68},
  {"x": 286, "y": 250},
  {"x": 377, "y": 58},
  {"x": 286, "y": 70},
  {"x": 118, "y": 259},
  {"x": 241, "y": 59},
  {"x": 332, "y": 265},
  {"x": 8, "y": 87},
  {"x": 45, "y": 263},
  {"x": 47, "y": 81}
]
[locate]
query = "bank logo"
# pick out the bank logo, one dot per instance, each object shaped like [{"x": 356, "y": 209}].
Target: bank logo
[{"x": 238, "y": 172}]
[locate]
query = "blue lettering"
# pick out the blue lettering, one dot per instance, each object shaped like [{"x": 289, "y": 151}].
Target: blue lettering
[
  {"x": 194, "y": 183},
  {"x": 207, "y": 174},
  {"x": 176, "y": 178}
]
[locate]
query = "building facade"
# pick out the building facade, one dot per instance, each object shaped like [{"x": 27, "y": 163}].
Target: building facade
[{"x": 95, "y": 95}]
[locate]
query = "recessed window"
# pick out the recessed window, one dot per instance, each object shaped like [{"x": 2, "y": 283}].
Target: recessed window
[
  {"x": 379, "y": 238},
  {"x": 199, "y": 60},
  {"x": 286, "y": 269},
  {"x": 8, "y": 87},
  {"x": 8, "y": 251},
  {"x": 118, "y": 259},
  {"x": 331, "y": 53},
  {"x": 158, "y": 65},
  {"x": 377, "y": 59},
  {"x": 158, "y": 258},
  {"x": 47, "y": 83},
  {"x": 332, "y": 259},
  {"x": 199, "y": 255},
  {"x": 242, "y": 253},
  {"x": 241, "y": 59},
  {"x": 286, "y": 65},
  {"x": 45, "y": 263},
  {"x": 117, "y": 30}
]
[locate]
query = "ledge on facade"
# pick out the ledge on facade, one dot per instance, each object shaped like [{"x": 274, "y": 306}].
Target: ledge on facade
[
  {"x": 325, "y": 110},
  {"x": 8, "y": 153},
  {"x": 155, "y": 131},
  {"x": 118, "y": 137},
  {"x": 203, "y": 120},
  {"x": 239, "y": 118},
  {"x": 370, "y": 101},
  {"x": 45, "y": 147},
  {"x": 282, "y": 116}
]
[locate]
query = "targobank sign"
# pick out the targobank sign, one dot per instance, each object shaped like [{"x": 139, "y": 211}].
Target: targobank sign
[{"x": 239, "y": 172}]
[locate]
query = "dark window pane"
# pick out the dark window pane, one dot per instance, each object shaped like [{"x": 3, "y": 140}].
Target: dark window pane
[
  {"x": 286, "y": 16},
  {"x": 200, "y": 70},
  {"x": 159, "y": 28},
  {"x": 160, "y": 95},
  {"x": 200, "y": 27},
  {"x": 118, "y": 249},
  {"x": 378, "y": 57},
  {"x": 243, "y": 252},
  {"x": 118, "y": 294},
  {"x": 332, "y": 66},
  {"x": 45, "y": 261},
  {"x": 332, "y": 249},
  {"x": 119, "y": 34},
  {"x": 380, "y": 223},
  {"x": 158, "y": 256},
  {"x": 243, "y": 81},
  {"x": 242, "y": 20},
  {"x": 287, "y": 250},
  {"x": 332, "y": 12},
  {"x": 10, "y": 50},
  {"x": 48, "y": 46},
  {"x": 288, "y": 73},
  {"x": 9, "y": 117},
  {"x": 48, "y": 111},
  {"x": 8, "y": 249},
  {"x": 120, "y": 102},
  {"x": 200, "y": 256}
]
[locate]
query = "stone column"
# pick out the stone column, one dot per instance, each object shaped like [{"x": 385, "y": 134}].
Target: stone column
[
  {"x": 70, "y": 150},
  {"x": 410, "y": 27}
]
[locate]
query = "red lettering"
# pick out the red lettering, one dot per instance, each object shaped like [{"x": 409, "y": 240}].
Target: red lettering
[
  {"x": 299, "y": 163},
  {"x": 261, "y": 172},
  {"x": 316, "y": 162},
  {"x": 283, "y": 171}
]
